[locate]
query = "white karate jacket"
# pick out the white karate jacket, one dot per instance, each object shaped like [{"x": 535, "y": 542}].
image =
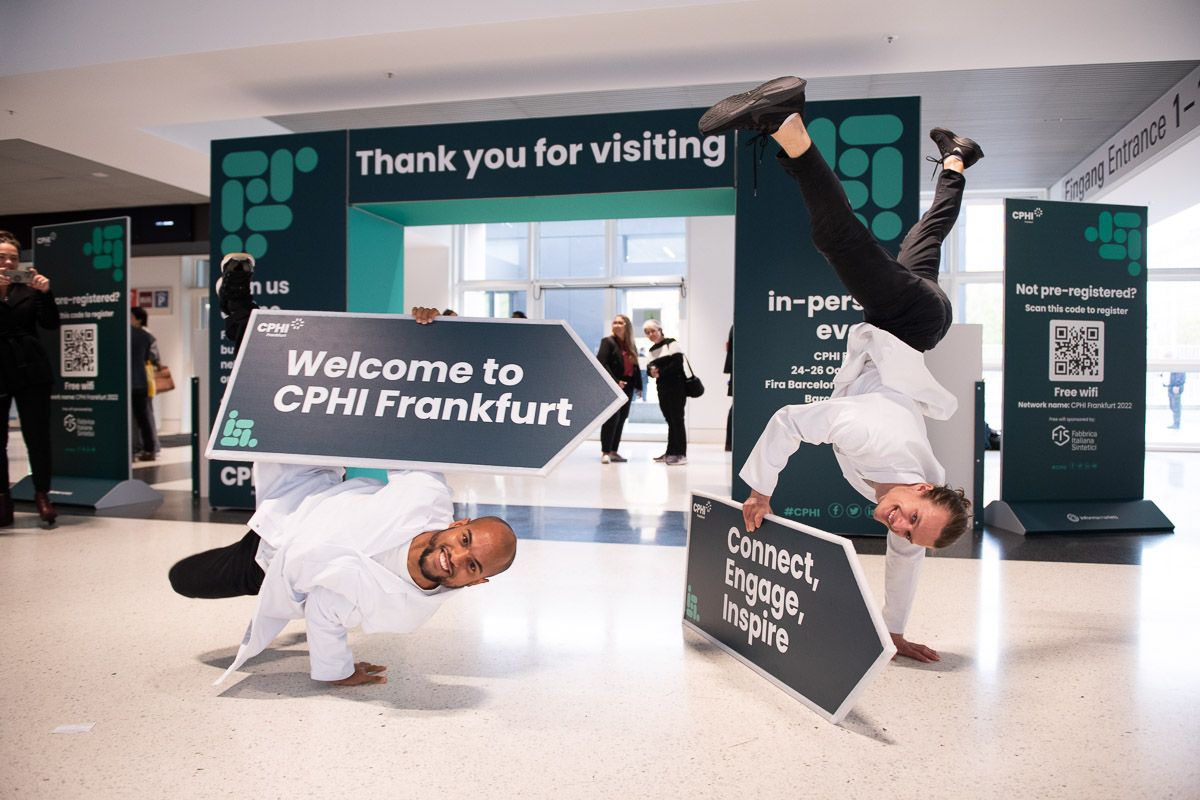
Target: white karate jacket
[
  {"x": 874, "y": 420},
  {"x": 319, "y": 534}
]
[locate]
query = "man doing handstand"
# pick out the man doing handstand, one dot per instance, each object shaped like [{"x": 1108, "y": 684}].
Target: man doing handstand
[{"x": 874, "y": 418}]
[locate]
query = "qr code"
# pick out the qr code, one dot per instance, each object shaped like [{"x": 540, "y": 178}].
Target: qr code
[
  {"x": 1076, "y": 350},
  {"x": 77, "y": 351}
]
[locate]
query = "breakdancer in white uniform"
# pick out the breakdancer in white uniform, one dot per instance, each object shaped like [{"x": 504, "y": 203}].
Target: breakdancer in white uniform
[
  {"x": 342, "y": 554},
  {"x": 874, "y": 418}
]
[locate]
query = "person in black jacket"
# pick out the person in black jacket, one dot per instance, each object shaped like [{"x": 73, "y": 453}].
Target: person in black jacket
[
  {"x": 666, "y": 367},
  {"x": 26, "y": 374},
  {"x": 619, "y": 356},
  {"x": 142, "y": 349}
]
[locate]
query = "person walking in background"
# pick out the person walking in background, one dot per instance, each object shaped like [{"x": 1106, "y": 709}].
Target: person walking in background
[
  {"x": 26, "y": 375},
  {"x": 142, "y": 446},
  {"x": 666, "y": 367},
  {"x": 142, "y": 350},
  {"x": 1174, "y": 386},
  {"x": 619, "y": 356}
]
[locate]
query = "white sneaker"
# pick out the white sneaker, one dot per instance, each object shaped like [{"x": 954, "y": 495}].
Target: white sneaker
[
  {"x": 604, "y": 459},
  {"x": 661, "y": 458}
]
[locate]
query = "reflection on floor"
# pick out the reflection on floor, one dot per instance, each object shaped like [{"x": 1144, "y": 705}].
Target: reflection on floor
[{"x": 1068, "y": 668}]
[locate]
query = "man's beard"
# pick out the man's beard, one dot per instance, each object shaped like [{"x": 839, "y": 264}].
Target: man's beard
[{"x": 427, "y": 553}]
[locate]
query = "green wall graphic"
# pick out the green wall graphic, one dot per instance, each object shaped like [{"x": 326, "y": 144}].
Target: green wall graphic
[{"x": 254, "y": 194}]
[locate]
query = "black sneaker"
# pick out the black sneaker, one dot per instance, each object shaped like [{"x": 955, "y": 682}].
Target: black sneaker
[
  {"x": 762, "y": 109},
  {"x": 950, "y": 145}
]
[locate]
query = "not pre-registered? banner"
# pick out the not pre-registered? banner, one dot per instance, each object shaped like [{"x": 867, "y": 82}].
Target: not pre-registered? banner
[{"x": 379, "y": 390}]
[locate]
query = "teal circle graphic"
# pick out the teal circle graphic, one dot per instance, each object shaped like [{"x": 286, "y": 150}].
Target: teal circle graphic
[
  {"x": 256, "y": 190},
  {"x": 118, "y": 274},
  {"x": 1120, "y": 235},
  {"x": 107, "y": 247},
  {"x": 854, "y": 162},
  {"x": 231, "y": 244},
  {"x": 87, "y": 248},
  {"x": 1135, "y": 268},
  {"x": 856, "y": 193},
  {"x": 886, "y": 225},
  {"x": 256, "y": 245},
  {"x": 1091, "y": 234},
  {"x": 306, "y": 159},
  {"x": 252, "y": 443}
]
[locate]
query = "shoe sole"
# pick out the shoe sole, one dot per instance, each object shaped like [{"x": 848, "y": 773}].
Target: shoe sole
[
  {"x": 959, "y": 141},
  {"x": 725, "y": 114}
]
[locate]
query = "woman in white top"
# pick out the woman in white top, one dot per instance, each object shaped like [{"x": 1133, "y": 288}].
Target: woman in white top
[{"x": 666, "y": 367}]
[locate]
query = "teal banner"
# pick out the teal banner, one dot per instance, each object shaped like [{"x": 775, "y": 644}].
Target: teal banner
[
  {"x": 1074, "y": 351},
  {"x": 642, "y": 151},
  {"x": 88, "y": 267},
  {"x": 283, "y": 200},
  {"x": 792, "y": 314}
]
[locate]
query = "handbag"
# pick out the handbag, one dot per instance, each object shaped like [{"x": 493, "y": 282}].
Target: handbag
[
  {"x": 163, "y": 382},
  {"x": 692, "y": 385}
]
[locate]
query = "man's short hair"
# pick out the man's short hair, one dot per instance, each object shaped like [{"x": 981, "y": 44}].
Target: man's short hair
[
  {"x": 140, "y": 313},
  {"x": 955, "y": 502}
]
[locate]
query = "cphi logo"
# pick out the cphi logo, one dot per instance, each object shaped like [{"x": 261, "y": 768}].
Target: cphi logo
[
  {"x": 701, "y": 509},
  {"x": 255, "y": 194},
  {"x": 107, "y": 249},
  {"x": 237, "y": 432},
  {"x": 278, "y": 330},
  {"x": 692, "y": 611},
  {"x": 1120, "y": 238},
  {"x": 860, "y": 145},
  {"x": 1028, "y": 217},
  {"x": 48, "y": 239}
]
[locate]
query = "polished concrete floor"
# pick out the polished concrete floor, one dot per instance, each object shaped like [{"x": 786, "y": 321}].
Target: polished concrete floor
[{"x": 1069, "y": 666}]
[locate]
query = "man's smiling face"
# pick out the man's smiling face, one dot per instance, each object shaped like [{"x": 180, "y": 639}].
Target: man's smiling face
[{"x": 908, "y": 512}]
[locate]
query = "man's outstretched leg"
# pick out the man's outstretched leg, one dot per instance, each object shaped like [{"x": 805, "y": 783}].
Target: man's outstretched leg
[
  {"x": 221, "y": 572},
  {"x": 921, "y": 250}
]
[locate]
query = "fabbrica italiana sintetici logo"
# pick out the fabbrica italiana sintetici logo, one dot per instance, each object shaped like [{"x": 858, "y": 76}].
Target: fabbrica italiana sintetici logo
[
  {"x": 106, "y": 249},
  {"x": 255, "y": 196},
  {"x": 862, "y": 150},
  {"x": 1119, "y": 238}
]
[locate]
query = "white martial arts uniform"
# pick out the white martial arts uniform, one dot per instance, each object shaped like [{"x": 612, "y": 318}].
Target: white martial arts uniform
[
  {"x": 874, "y": 420},
  {"x": 325, "y": 544}
]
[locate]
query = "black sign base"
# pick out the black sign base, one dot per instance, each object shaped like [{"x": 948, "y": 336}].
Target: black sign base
[
  {"x": 1081, "y": 516},
  {"x": 102, "y": 494}
]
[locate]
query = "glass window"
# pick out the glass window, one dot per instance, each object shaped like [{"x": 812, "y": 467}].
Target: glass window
[
  {"x": 651, "y": 246},
  {"x": 982, "y": 229},
  {"x": 583, "y": 310},
  {"x": 496, "y": 252},
  {"x": 492, "y": 303},
  {"x": 983, "y": 304},
  {"x": 571, "y": 249},
  {"x": 1174, "y": 243},
  {"x": 1173, "y": 310}
]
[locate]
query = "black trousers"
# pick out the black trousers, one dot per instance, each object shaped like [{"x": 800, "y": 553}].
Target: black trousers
[
  {"x": 610, "y": 431},
  {"x": 140, "y": 404},
  {"x": 222, "y": 572},
  {"x": 899, "y": 294},
  {"x": 33, "y": 408},
  {"x": 671, "y": 400}
]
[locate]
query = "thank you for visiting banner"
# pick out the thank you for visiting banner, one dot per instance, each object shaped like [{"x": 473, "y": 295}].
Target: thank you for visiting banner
[
  {"x": 1075, "y": 351},
  {"x": 793, "y": 313},
  {"x": 88, "y": 267},
  {"x": 789, "y": 601},
  {"x": 381, "y": 390}
]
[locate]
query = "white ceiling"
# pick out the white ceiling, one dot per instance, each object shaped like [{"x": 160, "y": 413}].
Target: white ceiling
[{"x": 135, "y": 88}]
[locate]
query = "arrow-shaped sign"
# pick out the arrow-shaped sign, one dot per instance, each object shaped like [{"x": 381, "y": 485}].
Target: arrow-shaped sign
[
  {"x": 379, "y": 390},
  {"x": 789, "y": 601}
]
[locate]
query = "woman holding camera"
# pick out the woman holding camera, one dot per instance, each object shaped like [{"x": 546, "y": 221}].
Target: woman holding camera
[{"x": 25, "y": 372}]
